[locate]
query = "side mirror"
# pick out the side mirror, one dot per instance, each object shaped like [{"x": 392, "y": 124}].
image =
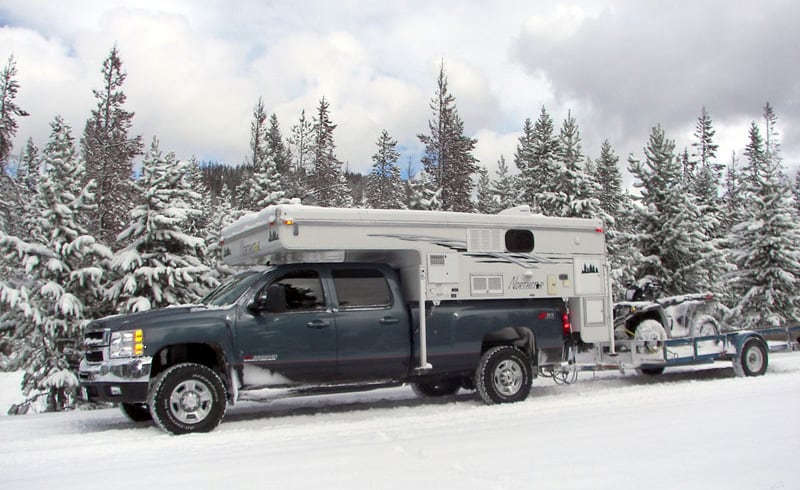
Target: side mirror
[{"x": 272, "y": 299}]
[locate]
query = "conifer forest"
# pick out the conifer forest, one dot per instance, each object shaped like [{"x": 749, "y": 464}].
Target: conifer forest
[{"x": 95, "y": 221}]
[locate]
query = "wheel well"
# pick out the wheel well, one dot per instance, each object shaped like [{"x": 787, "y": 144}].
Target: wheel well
[
  {"x": 520, "y": 337},
  {"x": 205, "y": 354}
]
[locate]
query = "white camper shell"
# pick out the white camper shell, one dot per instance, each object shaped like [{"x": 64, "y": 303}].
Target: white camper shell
[{"x": 444, "y": 256}]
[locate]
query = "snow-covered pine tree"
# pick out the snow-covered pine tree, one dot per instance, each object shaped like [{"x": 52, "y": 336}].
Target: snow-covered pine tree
[
  {"x": 160, "y": 266},
  {"x": 384, "y": 189},
  {"x": 222, "y": 216},
  {"x": 301, "y": 149},
  {"x": 575, "y": 193},
  {"x": 505, "y": 187},
  {"x": 108, "y": 152},
  {"x": 422, "y": 194},
  {"x": 278, "y": 147},
  {"x": 60, "y": 284},
  {"x": 675, "y": 250},
  {"x": 9, "y": 110},
  {"x": 536, "y": 159},
  {"x": 765, "y": 246},
  {"x": 263, "y": 187},
  {"x": 327, "y": 184},
  {"x": 485, "y": 198},
  {"x": 608, "y": 177},
  {"x": 448, "y": 158}
]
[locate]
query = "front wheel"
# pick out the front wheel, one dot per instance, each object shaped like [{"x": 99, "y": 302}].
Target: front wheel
[
  {"x": 503, "y": 375},
  {"x": 187, "y": 398},
  {"x": 752, "y": 360},
  {"x": 652, "y": 335}
]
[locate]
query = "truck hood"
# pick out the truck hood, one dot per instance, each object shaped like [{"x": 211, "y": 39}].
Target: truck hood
[{"x": 154, "y": 318}]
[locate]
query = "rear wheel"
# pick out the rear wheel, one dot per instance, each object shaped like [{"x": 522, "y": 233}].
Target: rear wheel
[
  {"x": 443, "y": 387},
  {"x": 187, "y": 398},
  {"x": 752, "y": 360},
  {"x": 136, "y": 412},
  {"x": 503, "y": 375},
  {"x": 651, "y": 370},
  {"x": 704, "y": 326}
]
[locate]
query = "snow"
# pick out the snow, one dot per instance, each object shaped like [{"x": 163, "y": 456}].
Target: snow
[{"x": 689, "y": 428}]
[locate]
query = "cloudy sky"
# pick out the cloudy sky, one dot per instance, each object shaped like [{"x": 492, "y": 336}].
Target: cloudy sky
[{"x": 197, "y": 67}]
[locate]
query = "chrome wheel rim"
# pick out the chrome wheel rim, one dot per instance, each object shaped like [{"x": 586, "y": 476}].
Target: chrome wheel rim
[
  {"x": 754, "y": 359},
  {"x": 191, "y": 401},
  {"x": 507, "y": 377}
]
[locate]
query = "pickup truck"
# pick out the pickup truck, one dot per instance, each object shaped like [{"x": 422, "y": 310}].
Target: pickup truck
[{"x": 304, "y": 328}]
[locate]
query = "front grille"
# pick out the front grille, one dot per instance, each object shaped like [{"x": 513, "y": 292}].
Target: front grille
[{"x": 96, "y": 338}]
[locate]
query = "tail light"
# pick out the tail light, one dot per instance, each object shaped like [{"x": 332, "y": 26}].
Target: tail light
[{"x": 566, "y": 325}]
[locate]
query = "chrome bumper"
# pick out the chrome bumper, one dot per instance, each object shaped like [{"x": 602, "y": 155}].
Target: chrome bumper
[{"x": 124, "y": 370}]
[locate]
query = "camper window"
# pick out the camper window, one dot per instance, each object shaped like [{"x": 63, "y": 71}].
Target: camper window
[
  {"x": 361, "y": 288},
  {"x": 519, "y": 241}
]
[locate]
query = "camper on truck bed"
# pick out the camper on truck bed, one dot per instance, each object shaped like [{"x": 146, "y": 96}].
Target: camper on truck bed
[{"x": 351, "y": 299}]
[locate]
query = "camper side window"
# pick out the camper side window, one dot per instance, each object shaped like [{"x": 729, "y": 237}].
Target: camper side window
[
  {"x": 519, "y": 241},
  {"x": 303, "y": 291},
  {"x": 361, "y": 288}
]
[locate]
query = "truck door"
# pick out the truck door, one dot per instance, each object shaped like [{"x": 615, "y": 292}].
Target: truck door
[
  {"x": 372, "y": 325},
  {"x": 294, "y": 340}
]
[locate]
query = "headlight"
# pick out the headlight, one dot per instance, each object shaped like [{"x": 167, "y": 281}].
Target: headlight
[{"x": 127, "y": 343}]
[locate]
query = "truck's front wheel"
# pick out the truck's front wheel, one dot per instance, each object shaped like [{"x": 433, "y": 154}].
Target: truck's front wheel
[
  {"x": 503, "y": 375},
  {"x": 187, "y": 398}
]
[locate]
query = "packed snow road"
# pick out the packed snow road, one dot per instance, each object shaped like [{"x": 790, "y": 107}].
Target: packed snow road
[{"x": 689, "y": 428}]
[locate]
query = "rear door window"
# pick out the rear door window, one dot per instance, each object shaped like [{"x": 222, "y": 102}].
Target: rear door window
[{"x": 361, "y": 288}]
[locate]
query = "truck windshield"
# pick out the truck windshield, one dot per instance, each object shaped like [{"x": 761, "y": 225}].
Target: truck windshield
[{"x": 229, "y": 291}]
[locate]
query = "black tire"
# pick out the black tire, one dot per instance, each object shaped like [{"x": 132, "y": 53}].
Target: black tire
[
  {"x": 651, "y": 371},
  {"x": 503, "y": 375},
  {"x": 187, "y": 398},
  {"x": 136, "y": 412},
  {"x": 442, "y": 387},
  {"x": 752, "y": 360}
]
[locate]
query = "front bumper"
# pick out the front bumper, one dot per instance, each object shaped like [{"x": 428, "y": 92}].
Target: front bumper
[{"x": 118, "y": 380}]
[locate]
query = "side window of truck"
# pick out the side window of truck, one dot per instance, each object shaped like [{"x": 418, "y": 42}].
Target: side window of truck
[
  {"x": 361, "y": 288},
  {"x": 303, "y": 291}
]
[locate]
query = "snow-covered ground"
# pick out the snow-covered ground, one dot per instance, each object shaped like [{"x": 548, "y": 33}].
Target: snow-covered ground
[{"x": 689, "y": 428}]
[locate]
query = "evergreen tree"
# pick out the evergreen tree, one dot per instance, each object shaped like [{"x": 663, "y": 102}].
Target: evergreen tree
[
  {"x": 108, "y": 152},
  {"x": 422, "y": 194},
  {"x": 161, "y": 266},
  {"x": 675, "y": 251},
  {"x": 765, "y": 245},
  {"x": 448, "y": 156},
  {"x": 505, "y": 187},
  {"x": 486, "y": 202},
  {"x": 262, "y": 184},
  {"x": 222, "y": 216},
  {"x": 575, "y": 193},
  {"x": 327, "y": 182},
  {"x": 301, "y": 149},
  {"x": 9, "y": 111},
  {"x": 772, "y": 147},
  {"x": 62, "y": 267},
  {"x": 608, "y": 177},
  {"x": 278, "y": 147},
  {"x": 384, "y": 189},
  {"x": 536, "y": 159}
]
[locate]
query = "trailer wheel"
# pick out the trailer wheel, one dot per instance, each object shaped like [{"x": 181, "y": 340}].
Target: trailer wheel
[
  {"x": 187, "y": 398},
  {"x": 503, "y": 375},
  {"x": 752, "y": 360},
  {"x": 443, "y": 387},
  {"x": 136, "y": 412}
]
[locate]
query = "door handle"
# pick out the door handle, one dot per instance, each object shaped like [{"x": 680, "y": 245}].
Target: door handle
[
  {"x": 387, "y": 320},
  {"x": 318, "y": 324}
]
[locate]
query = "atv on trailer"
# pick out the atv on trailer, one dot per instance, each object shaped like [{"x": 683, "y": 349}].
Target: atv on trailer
[{"x": 644, "y": 317}]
